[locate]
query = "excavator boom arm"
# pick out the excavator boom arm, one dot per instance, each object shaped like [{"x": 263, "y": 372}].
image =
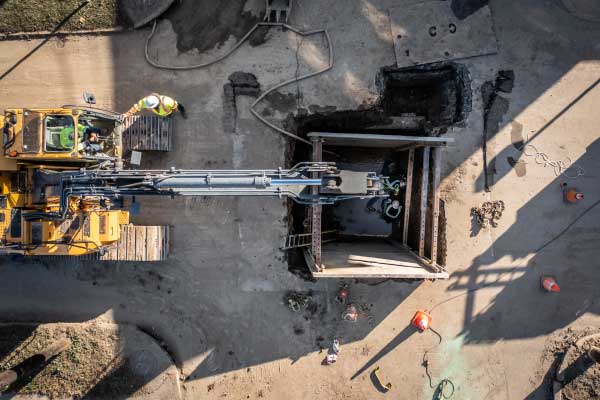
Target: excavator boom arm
[{"x": 295, "y": 183}]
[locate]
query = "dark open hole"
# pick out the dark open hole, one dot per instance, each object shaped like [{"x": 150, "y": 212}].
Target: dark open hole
[
  {"x": 419, "y": 101},
  {"x": 436, "y": 94}
]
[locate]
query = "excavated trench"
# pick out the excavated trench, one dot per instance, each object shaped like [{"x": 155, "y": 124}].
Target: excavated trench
[{"x": 418, "y": 101}]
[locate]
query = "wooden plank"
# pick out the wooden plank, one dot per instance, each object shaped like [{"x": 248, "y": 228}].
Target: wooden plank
[
  {"x": 424, "y": 192},
  {"x": 376, "y": 140},
  {"x": 437, "y": 161},
  {"x": 140, "y": 243},
  {"x": 366, "y": 260},
  {"x": 166, "y": 242},
  {"x": 154, "y": 245},
  {"x": 385, "y": 271},
  {"x": 122, "y": 244},
  {"x": 130, "y": 250},
  {"x": 425, "y": 262},
  {"x": 150, "y": 247},
  {"x": 409, "y": 179},
  {"x": 111, "y": 253},
  {"x": 310, "y": 261}
]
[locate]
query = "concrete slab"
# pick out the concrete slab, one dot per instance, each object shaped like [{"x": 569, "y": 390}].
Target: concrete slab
[{"x": 429, "y": 32}]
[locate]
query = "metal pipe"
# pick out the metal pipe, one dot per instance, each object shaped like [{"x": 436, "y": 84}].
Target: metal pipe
[
  {"x": 213, "y": 182},
  {"x": 307, "y": 182}
]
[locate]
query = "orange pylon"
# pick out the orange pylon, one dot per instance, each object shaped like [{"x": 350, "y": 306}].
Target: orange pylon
[
  {"x": 549, "y": 284},
  {"x": 571, "y": 195},
  {"x": 421, "y": 320}
]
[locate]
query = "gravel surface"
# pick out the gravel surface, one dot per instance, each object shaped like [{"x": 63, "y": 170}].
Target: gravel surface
[
  {"x": 45, "y": 15},
  {"x": 93, "y": 365}
]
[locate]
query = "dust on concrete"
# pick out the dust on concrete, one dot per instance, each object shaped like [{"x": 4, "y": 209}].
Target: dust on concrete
[
  {"x": 240, "y": 83},
  {"x": 205, "y": 24},
  {"x": 282, "y": 102},
  {"x": 244, "y": 83}
]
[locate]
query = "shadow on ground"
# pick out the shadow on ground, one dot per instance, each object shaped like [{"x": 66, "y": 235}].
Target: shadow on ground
[{"x": 570, "y": 232}]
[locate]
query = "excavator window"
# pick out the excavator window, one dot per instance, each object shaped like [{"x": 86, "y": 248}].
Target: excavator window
[
  {"x": 99, "y": 127},
  {"x": 59, "y": 133}
]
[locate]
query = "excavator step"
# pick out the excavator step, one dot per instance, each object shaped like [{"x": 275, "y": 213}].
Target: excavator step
[{"x": 147, "y": 133}]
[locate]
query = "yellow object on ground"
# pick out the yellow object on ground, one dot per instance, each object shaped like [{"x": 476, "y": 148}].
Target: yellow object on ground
[{"x": 387, "y": 387}]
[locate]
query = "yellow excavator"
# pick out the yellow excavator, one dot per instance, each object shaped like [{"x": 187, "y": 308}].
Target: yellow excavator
[{"x": 64, "y": 191}]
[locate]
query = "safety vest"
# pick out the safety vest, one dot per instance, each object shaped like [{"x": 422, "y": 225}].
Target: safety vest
[{"x": 166, "y": 105}]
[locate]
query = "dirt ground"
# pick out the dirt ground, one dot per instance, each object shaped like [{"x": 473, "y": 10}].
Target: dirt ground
[
  {"x": 101, "y": 361},
  {"x": 579, "y": 380},
  {"x": 218, "y": 301},
  {"x": 45, "y": 15},
  {"x": 95, "y": 352}
]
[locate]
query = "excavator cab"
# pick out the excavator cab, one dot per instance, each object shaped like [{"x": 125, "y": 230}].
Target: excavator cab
[{"x": 66, "y": 134}]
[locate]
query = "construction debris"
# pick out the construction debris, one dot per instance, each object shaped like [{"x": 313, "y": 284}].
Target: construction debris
[
  {"x": 331, "y": 358},
  {"x": 335, "y": 347},
  {"x": 384, "y": 388},
  {"x": 488, "y": 213},
  {"x": 298, "y": 301},
  {"x": 332, "y": 353},
  {"x": 342, "y": 295},
  {"x": 351, "y": 313}
]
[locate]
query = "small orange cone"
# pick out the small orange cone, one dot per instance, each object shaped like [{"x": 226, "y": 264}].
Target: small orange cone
[
  {"x": 421, "y": 320},
  {"x": 549, "y": 284},
  {"x": 571, "y": 195}
]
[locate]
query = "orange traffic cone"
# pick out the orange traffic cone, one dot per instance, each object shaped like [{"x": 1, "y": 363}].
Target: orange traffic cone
[
  {"x": 571, "y": 195},
  {"x": 421, "y": 320},
  {"x": 549, "y": 284}
]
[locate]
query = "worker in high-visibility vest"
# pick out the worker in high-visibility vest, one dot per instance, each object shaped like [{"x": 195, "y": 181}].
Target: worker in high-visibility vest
[{"x": 158, "y": 104}]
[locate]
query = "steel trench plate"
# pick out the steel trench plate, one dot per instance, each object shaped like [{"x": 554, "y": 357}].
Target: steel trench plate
[{"x": 429, "y": 32}]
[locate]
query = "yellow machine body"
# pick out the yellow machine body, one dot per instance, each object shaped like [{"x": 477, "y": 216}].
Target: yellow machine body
[{"x": 89, "y": 227}]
